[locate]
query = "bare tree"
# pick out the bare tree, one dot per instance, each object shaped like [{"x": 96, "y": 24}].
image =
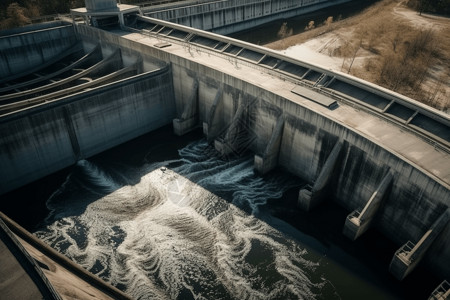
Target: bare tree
[
  {"x": 16, "y": 16},
  {"x": 310, "y": 25},
  {"x": 285, "y": 31}
]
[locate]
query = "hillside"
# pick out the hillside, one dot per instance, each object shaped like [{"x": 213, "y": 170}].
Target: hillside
[{"x": 387, "y": 44}]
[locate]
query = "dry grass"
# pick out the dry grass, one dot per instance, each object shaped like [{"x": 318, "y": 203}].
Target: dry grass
[{"x": 410, "y": 56}]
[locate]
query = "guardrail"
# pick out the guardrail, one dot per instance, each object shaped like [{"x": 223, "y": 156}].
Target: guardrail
[{"x": 186, "y": 36}]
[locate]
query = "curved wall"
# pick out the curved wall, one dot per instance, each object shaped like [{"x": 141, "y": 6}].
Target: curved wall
[
  {"x": 23, "y": 51},
  {"x": 416, "y": 198},
  {"x": 38, "y": 141}
]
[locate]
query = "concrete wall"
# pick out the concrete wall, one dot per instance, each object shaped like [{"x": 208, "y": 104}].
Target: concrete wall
[
  {"x": 49, "y": 138},
  {"x": 415, "y": 200},
  {"x": 42, "y": 140},
  {"x": 99, "y": 5},
  {"x": 25, "y": 50},
  {"x": 225, "y": 17}
]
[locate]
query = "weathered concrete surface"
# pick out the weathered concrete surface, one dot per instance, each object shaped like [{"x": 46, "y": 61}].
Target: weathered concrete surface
[
  {"x": 188, "y": 120},
  {"x": 46, "y": 138},
  {"x": 22, "y": 51},
  {"x": 311, "y": 196},
  {"x": 211, "y": 126},
  {"x": 422, "y": 174},
  {"x": 99, "y": 5},
  {"x": 268, "y": 160}
]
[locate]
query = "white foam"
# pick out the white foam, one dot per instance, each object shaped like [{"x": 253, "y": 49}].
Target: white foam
[{"x": 167, "y": 233}]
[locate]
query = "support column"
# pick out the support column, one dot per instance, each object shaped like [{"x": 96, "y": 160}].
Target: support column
[
  {"x": 311, "y": 196},
  {"x": 269, "y": 159},
  {"x": 229, "y": 143},
  {"x": 189, "y": 117},
  {"x": 72, "y": 133},
  {"x": 359, "y": 220},
  {"x": 212, "y": 128},
  {"x": 121, "y": 20},
  {"x": 409, "y": 255}
]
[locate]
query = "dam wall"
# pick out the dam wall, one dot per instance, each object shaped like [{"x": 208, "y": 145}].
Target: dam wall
[
  {"x": 23, "y": 51},
  {"x": 43, "y": 139},
  {"x": 415, "y": 199},
  {"x": 228, "y": 105},
  {"x": 225, "y": 17}
]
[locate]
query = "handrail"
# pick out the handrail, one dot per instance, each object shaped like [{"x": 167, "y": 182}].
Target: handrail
[{"x": 428, "y": 137}]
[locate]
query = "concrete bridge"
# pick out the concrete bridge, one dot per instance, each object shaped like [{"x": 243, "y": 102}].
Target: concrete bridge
[
  {"x": 382, "y": 156},
  {"x": 225, "y": 17}
]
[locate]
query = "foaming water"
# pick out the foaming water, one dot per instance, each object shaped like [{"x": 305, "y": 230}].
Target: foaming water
[{"x": 184, "y": 229}]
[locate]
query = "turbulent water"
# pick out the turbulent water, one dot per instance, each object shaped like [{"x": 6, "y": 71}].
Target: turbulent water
[{"x": 189, "y": 228}]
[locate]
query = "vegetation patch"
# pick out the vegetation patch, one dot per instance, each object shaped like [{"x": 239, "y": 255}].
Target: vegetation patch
[{"x": 402, "y": 50}]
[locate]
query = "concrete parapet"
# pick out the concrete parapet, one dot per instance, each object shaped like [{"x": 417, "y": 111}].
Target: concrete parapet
[
  {"x": 409, "y": 255},
  {"x": 269, "y": 159},
  {"x": 29, "y": 51},
  {"x": 359, "y": 221},
  {"x": 189, "y": 116},
  {"x": 311, "y": 196},
  {"x": 181, "y": 127}
]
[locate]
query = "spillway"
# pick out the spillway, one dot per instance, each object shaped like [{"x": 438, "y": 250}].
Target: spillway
[{"x": 381, "y": 156}]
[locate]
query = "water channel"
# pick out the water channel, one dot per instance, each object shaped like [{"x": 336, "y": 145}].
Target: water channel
[{"x": 163, "y": 217}]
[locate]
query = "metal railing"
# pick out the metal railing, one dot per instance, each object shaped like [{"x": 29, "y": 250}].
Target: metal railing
[{"x": 430, "y": 138}]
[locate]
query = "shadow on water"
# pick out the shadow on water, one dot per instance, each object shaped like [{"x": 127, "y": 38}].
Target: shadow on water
[{"x": 347, "y": 270}]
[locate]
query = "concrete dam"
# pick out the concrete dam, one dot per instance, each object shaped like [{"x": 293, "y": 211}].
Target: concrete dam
[{"x": 70, "y": 91}]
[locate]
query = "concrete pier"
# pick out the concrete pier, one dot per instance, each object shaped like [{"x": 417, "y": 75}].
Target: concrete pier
[
  {"x": 212, "y": 128},
  {"x": 235, "y": 139},
  {"x": 359, "y": 220},
  {"x": 311, "y": 196},
  {"x": 269, "y": 159},
  {"x": 189, "y": 116},
  {"x": 37, "y": 141},
  {"x": 410, "y": 254}
]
